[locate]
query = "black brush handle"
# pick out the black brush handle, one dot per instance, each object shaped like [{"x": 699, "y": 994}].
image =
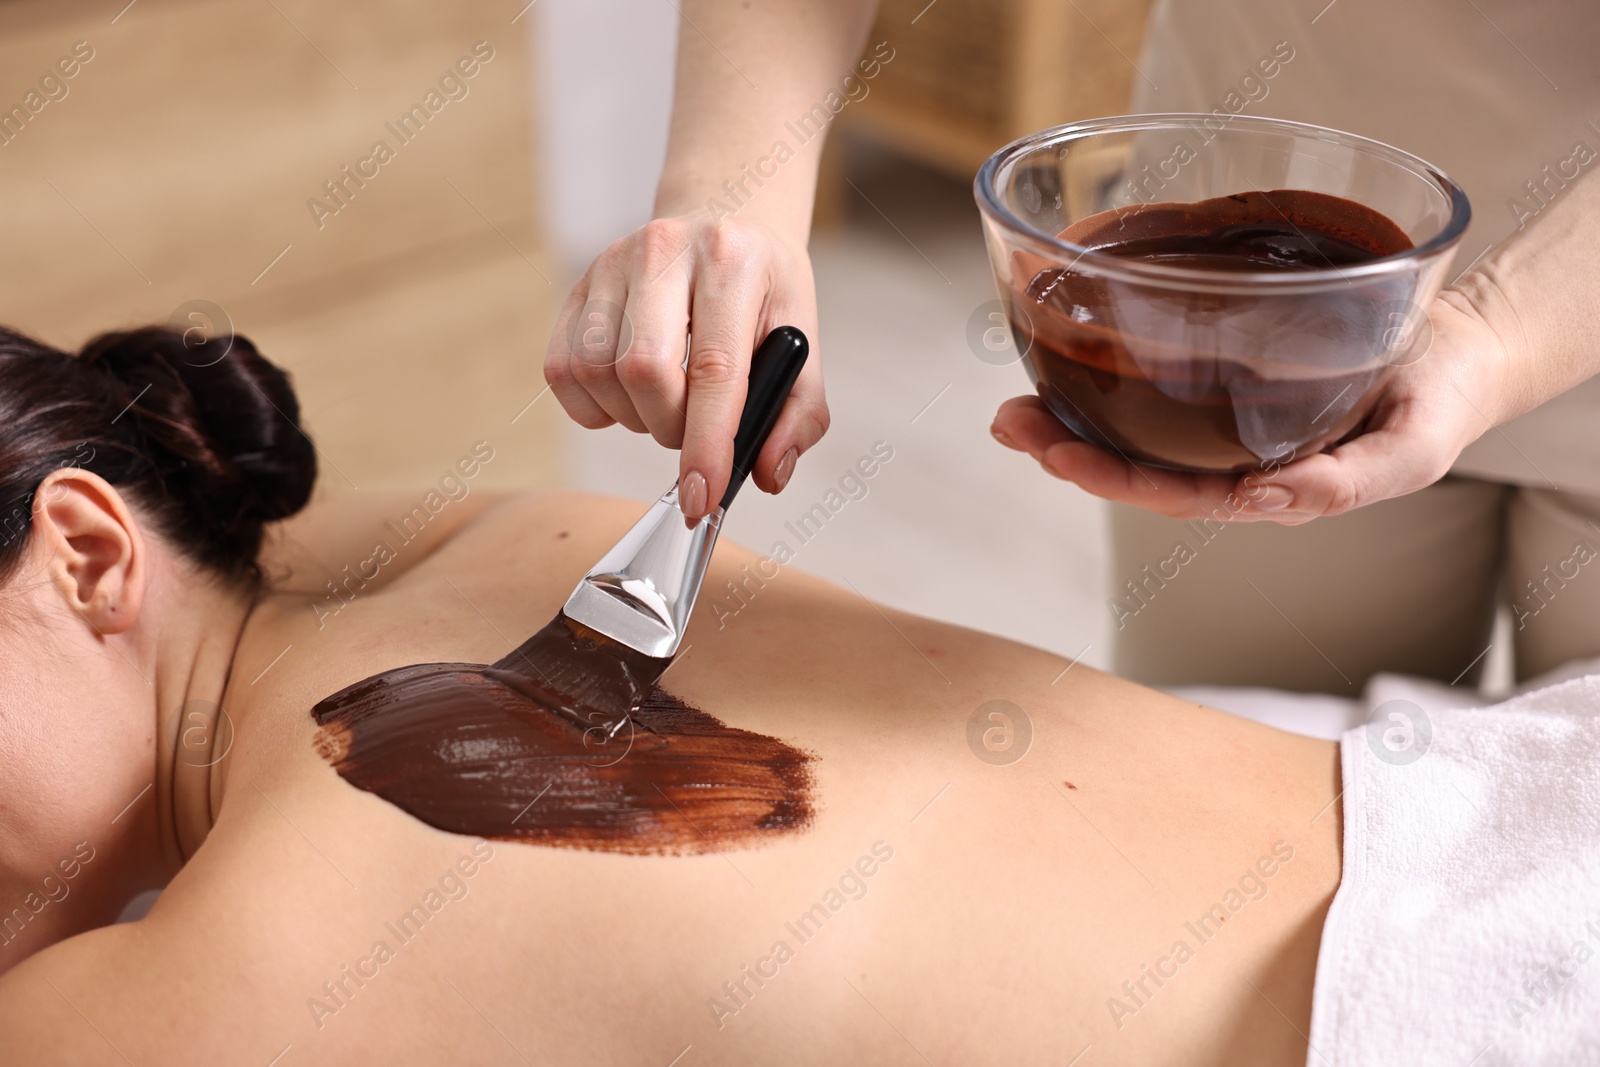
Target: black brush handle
[{"x": 773, "y": 370}]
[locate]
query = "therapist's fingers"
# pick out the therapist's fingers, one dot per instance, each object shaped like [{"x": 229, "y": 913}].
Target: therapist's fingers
[
  {"x": 1266, "y": 495},
  {"x": 1426, "y": 414},
  {"x": 659, "y": 333},
  {"x": 791, "y": 300},
  {"x": 558, "y": 371},
  {"x": 702, "y": 295},
  {"x": 1026, "y": 425},
  {"x": 617, "y": 351},
  {"x": 802, "y": 422},
  {"x": 725, "y": 312},
  {"x": 659, "y": 293},
  {"x": 1407, "y": 446},
  {"x": 1430, "y": 411},
  {"x": 599, "y": 339}
]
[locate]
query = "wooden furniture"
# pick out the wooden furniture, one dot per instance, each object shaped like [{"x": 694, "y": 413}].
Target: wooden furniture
[{"x": 971, "y": 75}]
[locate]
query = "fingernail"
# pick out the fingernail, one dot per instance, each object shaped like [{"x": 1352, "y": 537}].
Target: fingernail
[
  {"x": 692, "y": 494},
  {"x": 785, "y": 468},
  {"x": 1273, "y": 498},
  {"x": 1003, "y": 437}
]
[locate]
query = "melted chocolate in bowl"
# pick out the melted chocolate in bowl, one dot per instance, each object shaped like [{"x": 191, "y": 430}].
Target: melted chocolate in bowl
[
  {"x": 1213, "y": 381},
  {"x": 505, "y": 751}
]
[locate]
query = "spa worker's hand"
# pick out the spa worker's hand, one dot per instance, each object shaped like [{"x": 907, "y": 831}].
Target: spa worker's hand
[
  {"x": 1514, "y": 331},
  {"x": 726, "y": 283},
  {"x": 659, "y": 332}
]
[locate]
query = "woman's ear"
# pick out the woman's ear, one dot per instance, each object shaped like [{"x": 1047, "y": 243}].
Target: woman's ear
[{"x": 91, "y": 548}]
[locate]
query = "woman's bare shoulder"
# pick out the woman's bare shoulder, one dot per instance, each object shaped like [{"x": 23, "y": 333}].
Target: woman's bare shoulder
[
  {"x": 99, "y": 997},
  {"x": 388, "y": 534},
  {"x": 246, "y": 949}
]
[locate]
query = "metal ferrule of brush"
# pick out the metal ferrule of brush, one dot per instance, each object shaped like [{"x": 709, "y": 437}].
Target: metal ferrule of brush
[{"x": 642, "y": 591}]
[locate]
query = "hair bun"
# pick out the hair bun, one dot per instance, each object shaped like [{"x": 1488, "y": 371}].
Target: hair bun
[{"x": 223, "y": 425}]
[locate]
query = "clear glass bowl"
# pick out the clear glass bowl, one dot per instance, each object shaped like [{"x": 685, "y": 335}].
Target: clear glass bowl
[{"x": 1196, "y": 368}]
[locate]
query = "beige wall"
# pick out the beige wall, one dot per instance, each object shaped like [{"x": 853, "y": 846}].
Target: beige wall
[{"x": 179, "y": 164}]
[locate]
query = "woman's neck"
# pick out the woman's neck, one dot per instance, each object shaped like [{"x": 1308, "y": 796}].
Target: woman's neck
[{"x": 196, "y": 731}]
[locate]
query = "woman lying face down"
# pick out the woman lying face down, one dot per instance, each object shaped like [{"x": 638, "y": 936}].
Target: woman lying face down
[{"x": 816, "y": 840}]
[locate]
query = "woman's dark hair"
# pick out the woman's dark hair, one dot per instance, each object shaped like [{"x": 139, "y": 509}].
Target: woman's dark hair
[{"x": 202, "y": 434}]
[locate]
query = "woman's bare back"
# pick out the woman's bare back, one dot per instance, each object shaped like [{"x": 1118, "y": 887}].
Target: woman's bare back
[{"x": 1146, "y": 880}]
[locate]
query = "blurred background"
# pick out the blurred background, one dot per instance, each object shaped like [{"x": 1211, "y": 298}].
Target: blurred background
[{"x": 177, "y": 176}]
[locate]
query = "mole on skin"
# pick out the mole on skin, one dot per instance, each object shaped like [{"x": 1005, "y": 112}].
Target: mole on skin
[{"x": 492, "y": 751}]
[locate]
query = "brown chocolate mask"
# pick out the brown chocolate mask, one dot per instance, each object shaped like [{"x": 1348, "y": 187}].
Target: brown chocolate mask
[{"x": 494, "y": 751}]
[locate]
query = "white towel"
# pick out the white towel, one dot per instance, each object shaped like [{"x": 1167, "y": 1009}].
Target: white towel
[{"x": 1466, "y": 929}]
